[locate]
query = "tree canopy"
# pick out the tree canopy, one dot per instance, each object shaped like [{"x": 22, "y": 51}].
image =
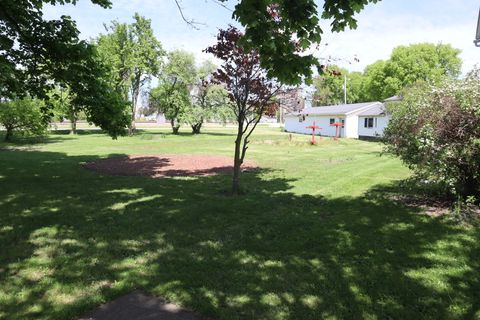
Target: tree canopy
[
  {"x": 270, "y": 26},
  {"x": 133, "y": 55},
  {"x": 43, "y": 46},
  {"x": 329, "y": 87},
  {"x": 409, "y": 64},
  {"x": 34, "y": 50},
  {"x": 172, "y": 95},
  {"x": 209, "y": 101},
  {"x": 37, "y": 54},
  {"x": 23, "y": 116}
]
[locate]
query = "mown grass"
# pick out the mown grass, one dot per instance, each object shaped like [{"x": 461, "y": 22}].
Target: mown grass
[{"x": 314, "y": 237}]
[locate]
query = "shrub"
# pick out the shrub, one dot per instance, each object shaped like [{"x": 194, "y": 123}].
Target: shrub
[
  {"x": 23, "y": 116},
  {"x": 435, "y": 130}
]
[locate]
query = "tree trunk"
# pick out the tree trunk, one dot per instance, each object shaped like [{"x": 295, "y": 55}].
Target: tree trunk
[
  {"x": 131, "y": 128},
  {"x": 9, "y": 134},
  {"x": 73, "y": 129},
  {"x": 175, "y": 126},
  {"x": 196, "y": 127},
  {"x": 469, "y": 186},
  {"x": 237, "y": 161}
]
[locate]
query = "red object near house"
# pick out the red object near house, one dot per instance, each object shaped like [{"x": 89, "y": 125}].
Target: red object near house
[
  {"x": 337, "y": 126},
  {"x": 313, "y": 127}
]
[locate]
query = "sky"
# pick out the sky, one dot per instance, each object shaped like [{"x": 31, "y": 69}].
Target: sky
[{"x": 381, "y": 26}]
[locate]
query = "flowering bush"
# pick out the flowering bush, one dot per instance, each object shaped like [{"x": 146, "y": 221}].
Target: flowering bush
[{"x": 435, "y": 130}]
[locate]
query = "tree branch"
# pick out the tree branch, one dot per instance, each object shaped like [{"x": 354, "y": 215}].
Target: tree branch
[
  {"x": 245, "y": 139},
  {"x": 192, "y": 23},
  {"x": 222, "y": 5}
]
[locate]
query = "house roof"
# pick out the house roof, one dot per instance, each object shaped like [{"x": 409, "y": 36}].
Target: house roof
[
  {"x": 393, "y": 99},
  {"x": 341, "y": 109},
  {"x": 376, "y": 110}
]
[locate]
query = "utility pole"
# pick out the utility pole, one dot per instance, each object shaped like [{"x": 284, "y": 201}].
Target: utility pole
[
  {"x": 345, "y": 89},
  {"x": 477, "y": 35}
]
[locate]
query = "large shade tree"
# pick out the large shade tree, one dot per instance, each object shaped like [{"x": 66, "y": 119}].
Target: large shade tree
[
  {"x": 271, "y": 24},
  {"x": 409, "y": 64},
  {"x": 133, "y": 54},
  {"x": 36, "y": 54},
  {"x": 249, "y": 88},
  {"x": 209, "y": 101},
  {"x": 172, "y": 95}
]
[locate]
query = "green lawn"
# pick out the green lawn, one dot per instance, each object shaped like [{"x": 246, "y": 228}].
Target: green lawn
[{"x": 314, "y": 237}]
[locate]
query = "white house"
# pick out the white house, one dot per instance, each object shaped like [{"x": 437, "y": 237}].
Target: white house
[
  {"x": 352, "y": 115},
  {"x": 373, "y": 121}
]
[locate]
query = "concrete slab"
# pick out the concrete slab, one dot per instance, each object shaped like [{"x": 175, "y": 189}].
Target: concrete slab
[{"x": 138, "y": 305}]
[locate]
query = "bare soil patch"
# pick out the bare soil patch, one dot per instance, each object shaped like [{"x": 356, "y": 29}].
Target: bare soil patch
[
  {"x": 156, "y": 166},
  {"x": 430, "y": 206}
]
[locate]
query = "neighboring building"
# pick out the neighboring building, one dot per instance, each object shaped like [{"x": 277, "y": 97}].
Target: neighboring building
[
  {"x": 393, "y": 99},
  {"x": 352, "y": 115},
  {"x": 291, "y": 100}
]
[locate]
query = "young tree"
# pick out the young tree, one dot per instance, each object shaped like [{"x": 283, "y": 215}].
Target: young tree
[
  {"x": 23, "y": 115},
  {"x": 134, "y": 55},
  {"x": 172, "y": 96},
  {"x": 249, "y": 89}
]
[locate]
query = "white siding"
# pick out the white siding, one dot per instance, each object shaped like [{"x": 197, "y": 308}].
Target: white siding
[
  {"x": 351, "y": 126},
  {"x": 354, "y": 124},
  {"x": 292, "y": 124},
  {"x": 377, "y": 130}
]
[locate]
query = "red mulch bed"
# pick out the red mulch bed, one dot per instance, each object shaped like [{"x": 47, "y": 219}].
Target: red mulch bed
[{"x": 166, "y": 166}]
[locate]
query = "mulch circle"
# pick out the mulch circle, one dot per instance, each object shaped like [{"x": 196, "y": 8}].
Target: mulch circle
[{"x": 156, "y": 166}]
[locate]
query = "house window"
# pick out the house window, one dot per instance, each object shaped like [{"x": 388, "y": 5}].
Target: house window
[
  {"x": 343, "y": 123},
  {"x": 368, "y": 123},
  {"x": 332, "y": 120}
]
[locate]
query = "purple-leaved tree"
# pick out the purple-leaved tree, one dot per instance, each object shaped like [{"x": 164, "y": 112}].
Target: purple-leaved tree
[{"x": 248, "y": 87}]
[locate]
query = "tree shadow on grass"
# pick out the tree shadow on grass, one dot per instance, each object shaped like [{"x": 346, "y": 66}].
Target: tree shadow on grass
[
  {"x": 79, "y": 132},
  {"x": 27, "y": 140},
  {"x": 205, "y": 132},
  {"x": 72, "y": 239}
]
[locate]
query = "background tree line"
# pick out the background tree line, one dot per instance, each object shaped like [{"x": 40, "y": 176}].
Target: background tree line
[
  {"x": 130, "y": 57},
  {"x": 406, "y": 66},
  {"x": 39, "y": 55}
]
